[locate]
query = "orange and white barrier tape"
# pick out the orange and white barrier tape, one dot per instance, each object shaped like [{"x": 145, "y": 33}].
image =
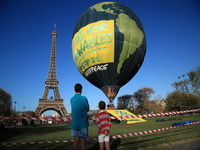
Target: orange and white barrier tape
[
  {"x": 95, "y": 139},
  {"x": 157, "y": 115},
  {"x": 68, "y": 119},
  {"x": 149, "y": 131},
  {"x": 49, "y": 118}
]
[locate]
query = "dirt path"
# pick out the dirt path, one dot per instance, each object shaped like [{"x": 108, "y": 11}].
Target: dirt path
[{"x": 182, "y": 145}]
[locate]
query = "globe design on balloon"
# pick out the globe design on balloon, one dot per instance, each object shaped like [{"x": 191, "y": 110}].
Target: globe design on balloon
[{"x": 108, "y": 46}]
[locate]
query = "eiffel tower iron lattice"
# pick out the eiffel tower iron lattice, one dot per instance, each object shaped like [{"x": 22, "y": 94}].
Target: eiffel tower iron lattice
[{"x": 54, "y": 103}]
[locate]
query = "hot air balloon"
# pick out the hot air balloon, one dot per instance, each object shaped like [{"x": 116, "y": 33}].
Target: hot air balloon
[{"x": 108, "y": 46}]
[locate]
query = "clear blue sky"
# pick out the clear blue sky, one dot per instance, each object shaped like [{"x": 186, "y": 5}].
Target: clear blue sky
[{"x": 172, "y": 30}]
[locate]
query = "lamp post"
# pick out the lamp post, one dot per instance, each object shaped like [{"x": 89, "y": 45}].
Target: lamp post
[
  {"x": 15, "y": 108},
  {"x": 24, "y": 110}
]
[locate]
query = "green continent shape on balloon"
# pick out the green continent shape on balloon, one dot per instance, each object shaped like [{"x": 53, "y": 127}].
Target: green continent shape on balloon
[{"x": 133, "y": 36}]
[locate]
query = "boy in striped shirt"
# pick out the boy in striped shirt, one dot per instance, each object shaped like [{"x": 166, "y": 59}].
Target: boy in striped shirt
[{"x": 104, "y": 124}]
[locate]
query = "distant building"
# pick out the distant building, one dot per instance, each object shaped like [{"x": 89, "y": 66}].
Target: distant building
[
  {"x": 55, "y": 115},
  {"x": 161, "y": 102}
]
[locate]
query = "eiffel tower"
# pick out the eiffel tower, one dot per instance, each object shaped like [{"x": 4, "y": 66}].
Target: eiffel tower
[{"x": 53, "y": 103}]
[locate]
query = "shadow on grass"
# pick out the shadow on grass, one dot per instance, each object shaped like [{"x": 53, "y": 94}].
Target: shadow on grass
[
  {"x": 115, "y": 144},
  {"x": 130, "y": 143},
  {"x": 12, "y": 134},
  {"x": 139, "y": 142},
  {"x": 136, "y": 144}
]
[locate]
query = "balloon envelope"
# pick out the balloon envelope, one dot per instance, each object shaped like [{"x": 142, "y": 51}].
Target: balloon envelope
[{"x": 108, "y": 46}]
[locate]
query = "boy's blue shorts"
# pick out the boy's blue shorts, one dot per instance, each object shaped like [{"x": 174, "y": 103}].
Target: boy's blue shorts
[{"x": 80, "y": 132}]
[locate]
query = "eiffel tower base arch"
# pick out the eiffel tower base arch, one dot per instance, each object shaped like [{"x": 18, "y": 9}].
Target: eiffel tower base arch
[{"x": 51, "y": 105}]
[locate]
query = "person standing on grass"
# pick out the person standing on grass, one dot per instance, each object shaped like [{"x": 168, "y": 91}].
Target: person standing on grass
[
  {"x": 104, "y": 124},
  {"x": 79, "y": 108}
]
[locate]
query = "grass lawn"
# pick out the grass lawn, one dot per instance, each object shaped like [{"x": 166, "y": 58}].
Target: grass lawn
[{"x": 60, "y": 132}]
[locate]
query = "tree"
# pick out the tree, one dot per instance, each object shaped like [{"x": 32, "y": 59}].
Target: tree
[
  {"x": 181, "y": 86},
  {"x": 182, "y": 92},
  {"x": 158, "y": 104},
  {"x": 142, "y": 96},
  {"x": 155, "y": 106},
  {"x": 190, "y": 82},
  {"x": 195, "y": 101},
  {"x": 124, "y": 101},
  {"x": 5, "y": 103},
  {"x": 176, "y": 101},
  {"x": 189, "y": 85},
  {"x": 29, "y": 114},
  {"x": 179, "y": 101},
  {"x": 194, "y": 78}
]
